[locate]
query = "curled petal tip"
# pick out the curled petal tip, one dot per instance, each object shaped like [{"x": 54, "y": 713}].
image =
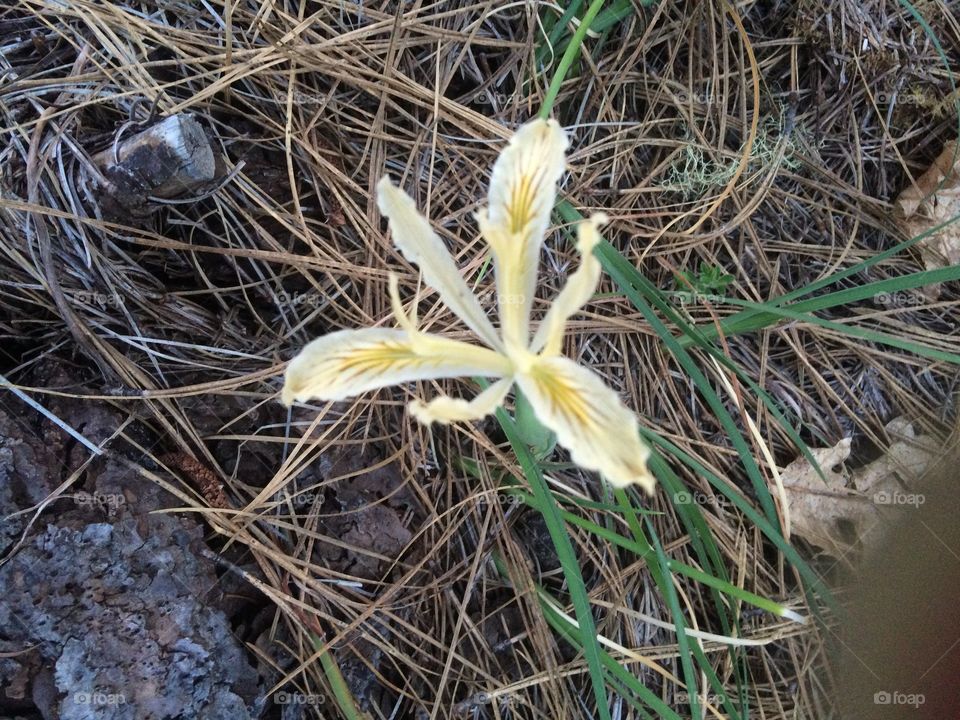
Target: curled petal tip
[
  {"x": 420, "y": 413},
  {"x": 384, "y": 185},
  {"x": 588, "y": 232},
  {"x": 295, "y": 384},
  {"x": 642, "y": 478}
]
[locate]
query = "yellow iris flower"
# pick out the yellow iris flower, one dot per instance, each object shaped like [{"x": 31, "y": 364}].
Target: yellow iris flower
[{"x": 587, "y": 417}]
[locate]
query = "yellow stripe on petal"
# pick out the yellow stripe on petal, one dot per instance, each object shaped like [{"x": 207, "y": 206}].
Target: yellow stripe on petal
[
  {"x": 576, "y": 293},
  {"x": 589, "y": 420},
  {"x": 446, "y": 409},
  {"x": 419, "y": 244},
  {"x": 523, "y": 190},
  {"x": 349, "y": 362}
]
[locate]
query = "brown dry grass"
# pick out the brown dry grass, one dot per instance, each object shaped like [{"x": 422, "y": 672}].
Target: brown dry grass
[{"x": 192, "y": 315}]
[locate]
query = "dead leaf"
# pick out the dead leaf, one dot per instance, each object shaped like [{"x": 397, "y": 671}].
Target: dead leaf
[
  {"x": 932, "y": 200},
  {"x": 907, "y": 458},
  {"x": 819, "y": 510},
  {"x": 838, "y": 514}
]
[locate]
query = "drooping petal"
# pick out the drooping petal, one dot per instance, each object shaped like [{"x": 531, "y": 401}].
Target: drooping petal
[
  {"x": 576, "y": 293},
  {"x": 523, "y": 190},
  {"x": 349, "y": 362},
  {"x": 588, "y": 418},
  {"x": 419, "y": 244},
  {"x": 446, "y": 409}
]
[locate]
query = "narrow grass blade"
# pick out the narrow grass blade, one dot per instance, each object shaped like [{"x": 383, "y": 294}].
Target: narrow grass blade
[
  {"x": 341, "y": 693},
  {"x": 568, "y": 561}
]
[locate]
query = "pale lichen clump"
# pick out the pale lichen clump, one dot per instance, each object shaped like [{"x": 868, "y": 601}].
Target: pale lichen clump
[{"x": 587, "y": 417}]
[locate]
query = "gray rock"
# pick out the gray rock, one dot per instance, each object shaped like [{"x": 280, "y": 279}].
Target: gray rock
[{"x": 122, "y": 620}]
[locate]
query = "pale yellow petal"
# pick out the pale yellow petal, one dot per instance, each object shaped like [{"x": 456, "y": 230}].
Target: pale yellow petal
[
  {"x": 419, "y": 244},
  {"x": 406, "y": 322},
  {"x": 446, "y": 409},
  {"x": 523, "y": 190},
  {"x": 349, "y": 362},
  {"x": 589, "y": 420},
  {"x": 577, "y": 291}
]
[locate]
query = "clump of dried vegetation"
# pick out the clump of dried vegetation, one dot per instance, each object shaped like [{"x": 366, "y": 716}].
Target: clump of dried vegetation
[{"x": 767, "y": 141}]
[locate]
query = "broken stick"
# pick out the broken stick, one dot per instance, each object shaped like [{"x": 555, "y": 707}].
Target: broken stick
[{"x": 169, "y": 159}]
